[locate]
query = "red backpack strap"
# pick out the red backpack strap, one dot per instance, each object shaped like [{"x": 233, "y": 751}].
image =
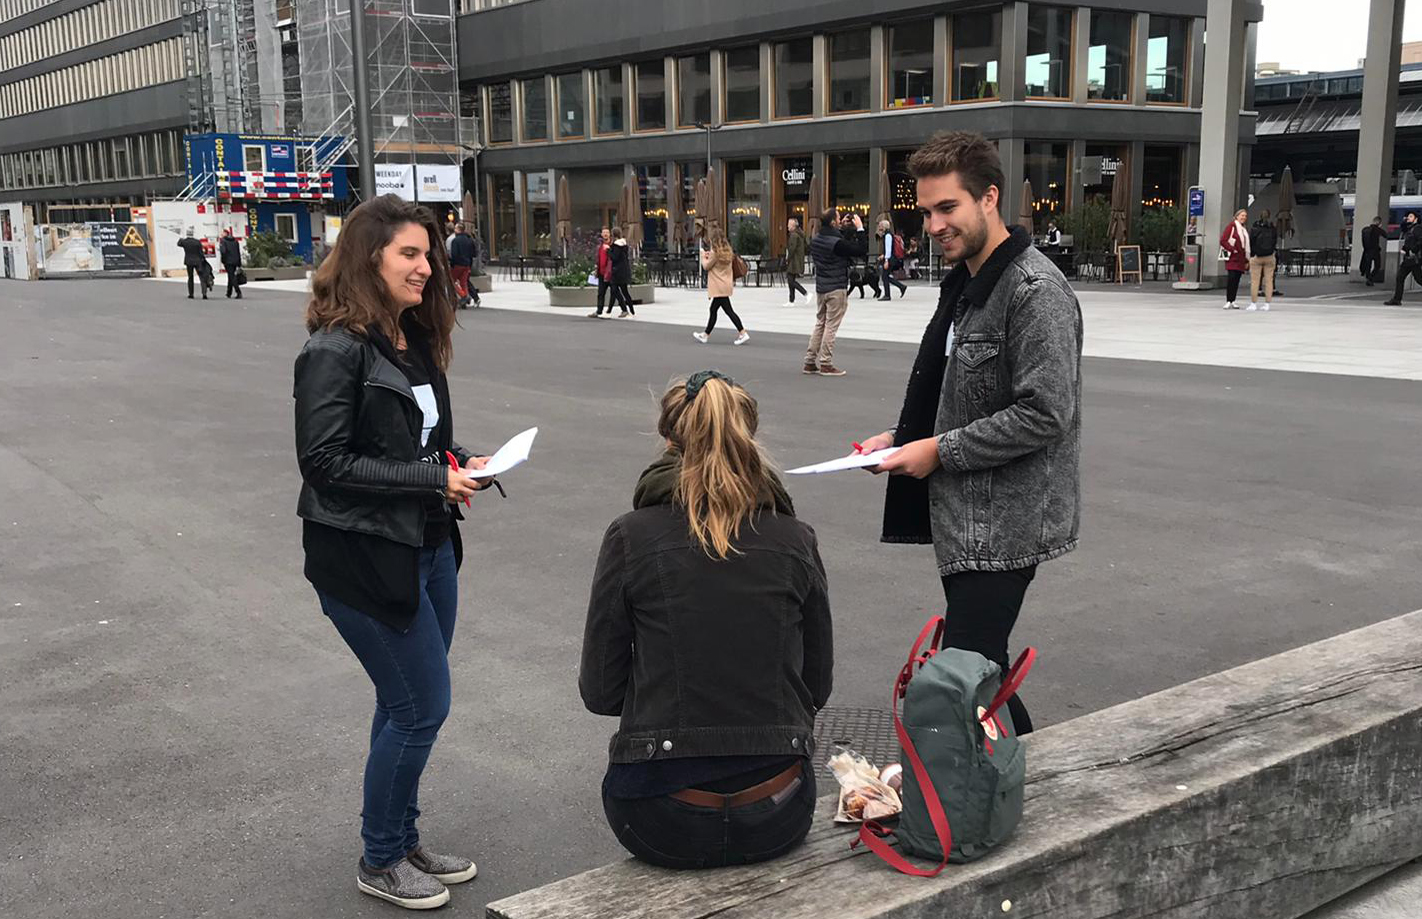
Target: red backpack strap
[
  {"x": 1012, "y": 682},
  {"x": 870, "y": 832}
]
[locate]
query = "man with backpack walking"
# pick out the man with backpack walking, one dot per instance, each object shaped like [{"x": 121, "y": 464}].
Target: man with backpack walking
[
  {"x": 1263, "y": 241},
  {"x": 461, "y": 265},
  {"x": 891, "y": 259},
  {"x": 989, "y": 436},
  {"x": 1411, "y": 256}
]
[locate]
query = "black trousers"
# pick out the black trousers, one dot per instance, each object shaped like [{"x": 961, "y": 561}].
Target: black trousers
[
  {"x": 886, "y": 278},
  {"x": 232, "y": 285},
  {"x": 195, "y": 272},
  {"x": 793, "y": 282},
  {"x": 723, "y": 303},
  {"x": 1232, "y": 285},
  {"x": 602, "y": 289},
  {"x": 673, "y": 834},
  {"x": 1411, "y": 264},
  {"x": 982, "y": 609},
  {"x": 1369, "y": 264},
  {"x": 621, "y": 296}
]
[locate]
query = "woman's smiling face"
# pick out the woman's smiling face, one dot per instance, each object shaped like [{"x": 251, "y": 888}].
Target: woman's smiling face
[{"x": 405, "y": 264}]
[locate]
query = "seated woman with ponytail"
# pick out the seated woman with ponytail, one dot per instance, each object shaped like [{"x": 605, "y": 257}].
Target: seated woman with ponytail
[{"x": 709, "y": 634}]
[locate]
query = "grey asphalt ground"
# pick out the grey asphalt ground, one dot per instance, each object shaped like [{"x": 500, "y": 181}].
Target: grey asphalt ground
[{"x": 183, "y": 732}]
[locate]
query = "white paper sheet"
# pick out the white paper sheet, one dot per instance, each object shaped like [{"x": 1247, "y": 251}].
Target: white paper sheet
[
  {"x": 846, "y": 462},
  {"x": 514, "y": 453}
]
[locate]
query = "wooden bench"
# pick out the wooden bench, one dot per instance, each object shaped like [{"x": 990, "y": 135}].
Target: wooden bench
[{"x": 1258, "y": 793}]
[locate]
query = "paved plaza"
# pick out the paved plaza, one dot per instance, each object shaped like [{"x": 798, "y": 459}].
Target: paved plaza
[{"x": 185, "y": 732}]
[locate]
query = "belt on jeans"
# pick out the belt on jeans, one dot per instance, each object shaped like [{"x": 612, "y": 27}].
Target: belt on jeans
[{"x": 771, "y": 786}]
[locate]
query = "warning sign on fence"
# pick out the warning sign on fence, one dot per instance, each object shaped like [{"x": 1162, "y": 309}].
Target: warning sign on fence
[{"x": 124, "y": 246}]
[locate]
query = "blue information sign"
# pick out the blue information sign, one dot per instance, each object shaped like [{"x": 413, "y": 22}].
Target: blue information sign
[{"x": 1197, "y": 203}]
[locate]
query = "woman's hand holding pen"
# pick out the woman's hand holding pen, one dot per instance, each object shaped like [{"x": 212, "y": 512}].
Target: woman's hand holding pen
[{"x": 459, "y": 487}]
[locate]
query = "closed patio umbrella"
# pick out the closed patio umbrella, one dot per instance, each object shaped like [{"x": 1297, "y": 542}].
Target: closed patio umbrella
[
  {"x": 1120, "y": 191},
  {"x": 1284, "y": 223},
  {"x": 674, "y": 217},
  {"x": 564, "y": 229},
  {"x": 1027, "y": 212},
  {"x": 815, "y": 207},
  {"x": 886, "y": 204},
  {"x": 715, "y": 201},
  {"x": 632, "y": 206},
  {"x": 703, "y": 207},
  {"x": 466, "y": 211}
]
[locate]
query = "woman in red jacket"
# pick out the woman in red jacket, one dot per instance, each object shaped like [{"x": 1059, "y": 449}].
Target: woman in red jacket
[{"x": 1234, "y": 243}]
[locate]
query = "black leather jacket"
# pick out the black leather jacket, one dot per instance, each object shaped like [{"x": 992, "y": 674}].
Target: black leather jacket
[{"x": 357, "y": 441}]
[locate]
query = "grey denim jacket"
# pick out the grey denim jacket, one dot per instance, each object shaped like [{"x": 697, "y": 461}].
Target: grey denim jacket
[{"x": 1008, "y": 494}]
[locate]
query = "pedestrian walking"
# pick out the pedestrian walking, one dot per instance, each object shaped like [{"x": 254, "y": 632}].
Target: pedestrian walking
[
  {"x": 1411, "y": 256},
  {"x": 603, "y": 270},
  {"x": 620, "y": 256},
  {"x": 1234, "y": 249},
  {"x": 990, "y": 430},
  {"x": 194, "y": 260},
  {"x": 461, "y": 263},
  {"x": 891, "y": 259},
  {"x": 832, "y": 254},
  {"x": 229, "y": 252},
  {"x": 911, "y": 256},
  {"x": 1370, "y": 266},
  {"x": 795, "y": 259},
  {"x": 709, "y": 634},
  {"x": 718, "y": 261},
  {"x": 382, "y": 476},
  {"x": 1263, "y": 240}
]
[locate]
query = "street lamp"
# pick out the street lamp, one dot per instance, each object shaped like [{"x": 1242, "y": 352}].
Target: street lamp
[{"x": 708, "y": 128}]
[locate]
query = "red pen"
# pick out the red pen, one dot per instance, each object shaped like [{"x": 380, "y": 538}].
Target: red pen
[
  {"x": 858, "y": 447},
  {"x": 454, "y": 464}
]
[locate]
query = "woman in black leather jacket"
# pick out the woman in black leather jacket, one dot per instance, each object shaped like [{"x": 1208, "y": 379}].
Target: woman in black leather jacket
[
  {"x": 709, "y": 633},
  {"x": 379, "y": 509}
]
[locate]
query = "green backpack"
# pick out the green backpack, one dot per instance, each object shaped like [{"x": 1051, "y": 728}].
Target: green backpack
[{"x": 962, "y": 795}]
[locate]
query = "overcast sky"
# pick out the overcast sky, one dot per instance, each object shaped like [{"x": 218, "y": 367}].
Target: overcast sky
[{"x": 1323, "y": 34}]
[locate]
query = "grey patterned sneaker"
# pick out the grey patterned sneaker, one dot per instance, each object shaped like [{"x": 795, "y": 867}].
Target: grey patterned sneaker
[
  {"x": 449, "y": 869},
  {"x": 402, "y": 884}
]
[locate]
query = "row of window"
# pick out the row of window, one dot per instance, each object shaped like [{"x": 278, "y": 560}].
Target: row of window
[
  {"x": 114, "y": 159},
  {"x": 974, "y": 50},
  {"x": 9, "y": 9},
  {"x": 149, "y": 65},
  {"x": 1297, "y": 89},
  {"x": 81, "y": 28}
]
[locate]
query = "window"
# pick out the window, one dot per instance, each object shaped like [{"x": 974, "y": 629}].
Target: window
[
  {"x": 849, "y": 181},
  {"x": 1108, "y": 62},
  {"x": 795, "y": 78},
  {"x": 1048, "y": 68},
  {"x": 122, "y": 168},
  {"x": 535, "y": 109},
  {"x": 539, "y": 226},
  {"x": 910, "y": 64},
  {"x": 693, "y": 90},
  {"x": 1165, "y": 59},
  {"x": 305, "y": 159},
  {"x": 651, "y": 96},
  {"x": 608, "y": 100},
  {"x": 849, "y": 71},
  {"x": 743, "y": 83},
  {"x": 1162, "y": 175},
  {"x": 500, "y": 113},
  {"x": 572, "y": 118},
  {"x": 254, "y": 158},
  {"x": 652, "y": 192},
  {"x": 976, "y": 40},
  {"x": 1045, "y": 166},
  {"x": 286, "y": 227}
]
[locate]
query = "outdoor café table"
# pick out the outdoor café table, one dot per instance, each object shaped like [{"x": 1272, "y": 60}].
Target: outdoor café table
[
  {"x": 1160, "y": 262},
  {"x": 1308, "y": 261}
]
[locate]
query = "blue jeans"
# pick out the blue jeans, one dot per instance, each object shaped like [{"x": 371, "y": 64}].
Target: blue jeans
[{"x": 410, "y": 671}]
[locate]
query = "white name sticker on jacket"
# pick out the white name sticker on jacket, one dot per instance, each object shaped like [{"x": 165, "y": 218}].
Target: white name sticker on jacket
[
  {"x": 424, "y": 394},
  {"x": 948, "y": 348}
]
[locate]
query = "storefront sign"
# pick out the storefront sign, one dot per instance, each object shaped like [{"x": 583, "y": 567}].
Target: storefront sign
[
  {"x": 439, "y": 183},
  {"x": 1197, "y": 202},
  {"x": 795, "y": 176},
  {"x": 395, "y": 179},
  {"x": 124, "y": 246},
  {"x": 436, "y": 182}
]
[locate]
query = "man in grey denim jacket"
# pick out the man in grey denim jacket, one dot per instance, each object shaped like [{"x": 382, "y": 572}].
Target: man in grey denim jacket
[{"x": 991, "y": 425}]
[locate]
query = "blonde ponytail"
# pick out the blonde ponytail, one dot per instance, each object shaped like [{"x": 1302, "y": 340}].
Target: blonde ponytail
[{"x": 724, "y": 476}]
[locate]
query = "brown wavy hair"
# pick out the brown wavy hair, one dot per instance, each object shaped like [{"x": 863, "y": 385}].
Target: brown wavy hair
[
  {"x": 724, "y": 478},
  {"x": 348, "y": 292},
  {"x": 721, "y": 250}
]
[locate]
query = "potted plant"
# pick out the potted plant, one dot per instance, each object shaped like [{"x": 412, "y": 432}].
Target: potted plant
[
  {"x": 269, "y": 258},
  {"x": 570, "y": 287}
]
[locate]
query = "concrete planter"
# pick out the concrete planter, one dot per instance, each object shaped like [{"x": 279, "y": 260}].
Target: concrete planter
[
  {"x": 482, "y": 283},
  {"x": 277, "y": 274},
  {"x": 586, "y": 297}
]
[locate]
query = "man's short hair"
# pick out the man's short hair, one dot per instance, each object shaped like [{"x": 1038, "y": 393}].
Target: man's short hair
[
  {"x": 795, "y": 220},
  {"x": 1377, "y": 220},
  {"x": 973, "y": 157},
  {"x": 830, "y": 216},
  {"x": 459, "y": 228}
]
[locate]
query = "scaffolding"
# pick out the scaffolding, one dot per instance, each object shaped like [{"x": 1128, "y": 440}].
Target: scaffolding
[{"x": 414, "y": 82}]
